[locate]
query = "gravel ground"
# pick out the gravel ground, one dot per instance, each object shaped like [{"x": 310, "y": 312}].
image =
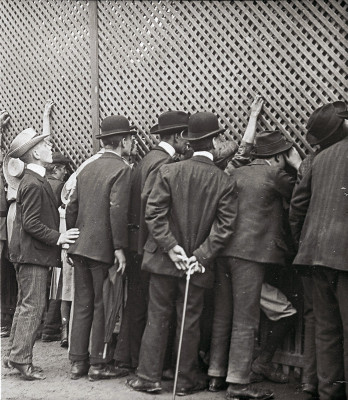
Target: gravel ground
[{"x": 58, "y": 386}]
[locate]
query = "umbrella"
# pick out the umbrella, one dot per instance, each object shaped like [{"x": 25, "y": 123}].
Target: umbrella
[{"x": 113, "y": 301}]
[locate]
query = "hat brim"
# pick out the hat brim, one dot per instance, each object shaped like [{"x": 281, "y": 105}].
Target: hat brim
[
  {"x": 115, "y": 134},
  {"x": 169, "y": 130},
  {"x": 342, "y": 114},
  {"x": 214, "y": 133},
  {"x": 273, "y": 151},
  {"x": 21, "y": 150},
  {"x": 12, "y": 181}
]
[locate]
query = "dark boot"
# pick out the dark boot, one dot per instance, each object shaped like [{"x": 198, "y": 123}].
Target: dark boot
[{"x": 64, "y": 336}]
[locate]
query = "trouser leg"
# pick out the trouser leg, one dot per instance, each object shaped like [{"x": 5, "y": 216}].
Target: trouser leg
[
  {"x": 53, "y": 318},
  {"x": 329, "y": 334},
  {"x": 162, "y": 291},
  {"x": 32, "y": 283},
  {"x": 247, "y": 278},
  {"x": 222, "y": 322}
]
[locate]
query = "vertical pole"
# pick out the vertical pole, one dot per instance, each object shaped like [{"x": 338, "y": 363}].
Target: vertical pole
[{"x": 93, "y": 33}]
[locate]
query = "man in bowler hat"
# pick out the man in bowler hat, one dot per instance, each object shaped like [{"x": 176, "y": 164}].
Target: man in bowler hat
[
  {"x": 99, "y": 208},
  {"x": 259, "y": 240},
  {"x": 34, "y": 247},
  {"x": 190, "y": 214},
  {"x": 318, "y": 219},
  {"x": 169, "y": 127}
]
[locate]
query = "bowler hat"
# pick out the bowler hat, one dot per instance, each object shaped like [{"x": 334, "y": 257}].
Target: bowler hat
[
  {"x": 115, "y": 125},
  {"x": 24, "y": 141},
  {"x": 13, "y": 171},
  {"x": 270, "y": 143},
  {"x": 325, "y": 121},
  {"x": 172, "y": 121},
  {"x": 203, "y": 125},
  {"x": 59, "y": 158}
]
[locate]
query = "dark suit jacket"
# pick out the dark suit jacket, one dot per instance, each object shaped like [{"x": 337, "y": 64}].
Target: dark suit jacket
[
  {"x": 319, "y": 210},
  {"x": 143, "y": 179},
  {"x": 193, "y": 204},
  {"x": 57, "y": 186},
  {"x": 260, "y": 234},
  {"x": 99, "y": 208},
  {"x": 35, "y": 229}
]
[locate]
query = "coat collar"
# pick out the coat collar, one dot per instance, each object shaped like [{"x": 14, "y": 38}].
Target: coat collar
[{"x": 202, "y": 159}]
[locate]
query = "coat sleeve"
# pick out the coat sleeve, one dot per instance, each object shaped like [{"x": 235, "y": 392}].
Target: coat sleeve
[
  {"x": 31, "y": 202},
  {"x": 72, "y": 208},
  {"x": 157, "y": 209},
  {"x": 223, "y": 226},
  {"x": 299, "y": 205},
  {"x": 119, "y": 201},
  {"x": 284, "y": 184}
]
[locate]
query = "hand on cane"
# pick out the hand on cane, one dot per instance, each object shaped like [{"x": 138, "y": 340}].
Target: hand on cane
[{"x": 195, "y": 266}]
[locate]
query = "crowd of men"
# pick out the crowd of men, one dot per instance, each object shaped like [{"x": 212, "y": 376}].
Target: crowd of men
[{"x": 196, "y": 203}]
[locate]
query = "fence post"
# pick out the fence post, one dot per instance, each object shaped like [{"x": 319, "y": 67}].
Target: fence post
[{"x": 93, "y": 33}]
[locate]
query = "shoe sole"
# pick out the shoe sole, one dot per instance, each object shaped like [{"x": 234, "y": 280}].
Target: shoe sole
[{"x": 156, "y": 390}]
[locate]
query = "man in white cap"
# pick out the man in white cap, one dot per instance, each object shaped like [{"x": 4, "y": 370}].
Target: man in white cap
[{"x": 33, "y": 248}]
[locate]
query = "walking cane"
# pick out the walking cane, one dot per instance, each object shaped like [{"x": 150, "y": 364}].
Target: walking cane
[{"x": 188, "y": 276}]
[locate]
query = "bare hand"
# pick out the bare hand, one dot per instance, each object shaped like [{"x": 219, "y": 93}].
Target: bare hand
[
  {"x": 256, "y": 106},
  {"x": 4, "y": 118},
  {"x": 120, "y": 259},
  {"x": 195, "y": 266},
  {"x": 293, "y": 158},
  {"x": 69, "y": 236},
  {"x": 178, "y": 256},
  {"x": 48, "y": 107}
]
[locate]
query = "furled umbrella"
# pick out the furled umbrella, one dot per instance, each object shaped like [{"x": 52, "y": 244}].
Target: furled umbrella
[{"x": 113, "y": 295}]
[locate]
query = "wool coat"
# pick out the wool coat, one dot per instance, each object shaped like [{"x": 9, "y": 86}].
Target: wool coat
[
  {"x": 143, "y": 179},
  {"x": 193, "y": 204},
  {"x": 35, "y": 230},
  {"x": 259, "y": 234},
  {"x": 319, "y": 210},
  {"x": 99, "y": 208}
]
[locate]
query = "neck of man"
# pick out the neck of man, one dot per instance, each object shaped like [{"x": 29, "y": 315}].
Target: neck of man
[{"x": 117, "y": 150}]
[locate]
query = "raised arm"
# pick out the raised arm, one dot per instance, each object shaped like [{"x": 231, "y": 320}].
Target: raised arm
[{"x": 46, "y": 129}]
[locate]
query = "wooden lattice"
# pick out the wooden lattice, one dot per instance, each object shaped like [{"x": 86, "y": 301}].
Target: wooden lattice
[
  {"x": 45, "y": 55},
  {"x": 216, "y": 55},
  {"x": 151, "y": 56}
]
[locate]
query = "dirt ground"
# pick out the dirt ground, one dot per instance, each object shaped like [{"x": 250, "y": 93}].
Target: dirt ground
[{"x": 58, "y": 386}]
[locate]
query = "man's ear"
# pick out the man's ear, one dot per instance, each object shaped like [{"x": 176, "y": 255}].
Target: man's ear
[
  {"x": 214, "y": 142},
  {"x": 35, "y": 154}
]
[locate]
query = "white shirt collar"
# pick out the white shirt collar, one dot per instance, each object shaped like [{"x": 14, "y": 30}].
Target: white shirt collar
[
  {"x": 111, "y": 151},
  {"x": 37, "y": 168},
  {"x": 204, "y": 154},
  {"x": 167, "y": 147}
]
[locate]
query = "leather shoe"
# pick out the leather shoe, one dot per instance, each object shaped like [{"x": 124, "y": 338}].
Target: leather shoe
[
  {"x": 310, "y": 389},
  {"x": 28, "y": 372},
  {"x": 143, "y": 385},
  {"x": 269, "y": 371},
  {"x": 217, "y": 384},
  {"x": 64, "y": 336},
  {"x": 105, "y": 371},
  {"x": 7, "y": 364},
  {"x": 50, "y": 338},
  {"x": 247, "y": 392},
  {"x": 78, "y": 369},
  {"x": 198, "y": 387}
]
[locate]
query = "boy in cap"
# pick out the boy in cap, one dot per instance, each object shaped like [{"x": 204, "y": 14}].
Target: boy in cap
[
  {"x": 98, "y": 207},
  {"x": 183, "y": 192},
  {"x": 33, "y": 247},
  {"x": 318, "y": 212}
]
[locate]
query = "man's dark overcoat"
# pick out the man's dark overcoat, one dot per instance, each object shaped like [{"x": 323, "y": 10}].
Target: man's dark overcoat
[
  {"x": 260, "y": 234},
  {"x": 99, "y": 208},
  {"x": 35, "y": 229},
  {"x": 144, "y": 173},
  {"x": 319, "y": 210},
  {"x": 193, "y": 204}
]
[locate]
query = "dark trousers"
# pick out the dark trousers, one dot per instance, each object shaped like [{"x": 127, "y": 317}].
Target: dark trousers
[
  {"x": 135, "y": 313},
  {"x": 236, "y": 318},
  {"x": 330, "y": 293},
  {"x": 88, "y": 320},
  {"x": 31, "y": 302},
  {"x": 166, "y": 293},
  {"x": 309, "y": 371},
  {"x": 53, "y": 320}
]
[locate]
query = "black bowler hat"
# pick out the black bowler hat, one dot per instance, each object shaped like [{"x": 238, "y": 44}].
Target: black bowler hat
[
  {"x": 270, "y": 143},
  {"x": 325, "y": 121},
  {"x": 115, "y": 125},
  {"x": 203, "y": 125},
  {"x": 59, "y": 158},
  {"x": 171, "y": 122}
]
